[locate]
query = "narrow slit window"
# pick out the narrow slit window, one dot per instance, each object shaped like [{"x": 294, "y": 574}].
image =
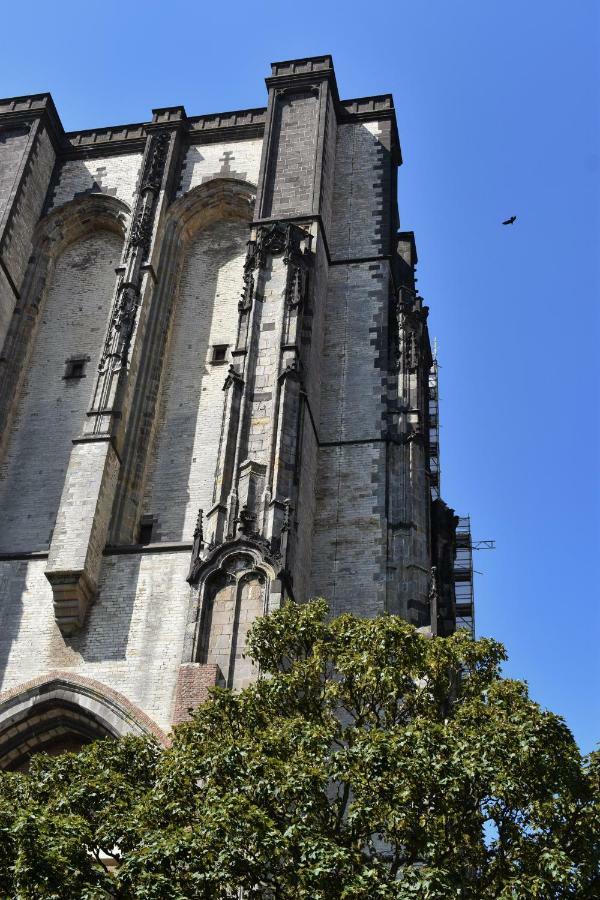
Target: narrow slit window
[{"x": 145, "y": 530}]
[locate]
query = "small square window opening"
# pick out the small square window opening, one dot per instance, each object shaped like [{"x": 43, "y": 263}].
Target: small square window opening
[
  {"x": 75, "y": 368},
  {"x": 219, "y": 353}
]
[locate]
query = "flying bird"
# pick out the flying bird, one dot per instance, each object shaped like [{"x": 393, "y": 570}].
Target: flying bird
[{"x": 510, "y": 221}]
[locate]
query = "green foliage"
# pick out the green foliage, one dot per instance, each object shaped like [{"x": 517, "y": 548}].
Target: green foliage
[{"x": 367, "y": 761}]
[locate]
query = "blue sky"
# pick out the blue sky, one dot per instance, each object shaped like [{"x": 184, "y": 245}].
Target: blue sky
[{"x": 497, "y": 106}]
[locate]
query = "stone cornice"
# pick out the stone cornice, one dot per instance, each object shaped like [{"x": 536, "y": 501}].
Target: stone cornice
[{"x": 234, "y": 125}]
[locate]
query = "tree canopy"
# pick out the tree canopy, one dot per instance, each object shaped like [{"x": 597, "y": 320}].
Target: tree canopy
[{"x": 367, "y": 761}]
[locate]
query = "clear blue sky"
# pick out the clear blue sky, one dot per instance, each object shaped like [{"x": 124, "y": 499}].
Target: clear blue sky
[{"x": 497, "y": 105}]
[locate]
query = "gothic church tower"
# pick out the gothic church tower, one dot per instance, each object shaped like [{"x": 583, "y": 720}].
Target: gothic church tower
[{"x": 216, "y": 390}]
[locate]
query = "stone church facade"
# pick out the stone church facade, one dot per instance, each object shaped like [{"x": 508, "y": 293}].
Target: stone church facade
[{"x": 215, "y": 396}]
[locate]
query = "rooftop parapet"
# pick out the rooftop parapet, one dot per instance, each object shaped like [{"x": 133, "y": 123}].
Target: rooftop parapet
[{"x": 206, "y": 128}]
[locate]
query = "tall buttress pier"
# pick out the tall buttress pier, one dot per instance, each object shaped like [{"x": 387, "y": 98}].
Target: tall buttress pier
[{"x": 215, "y": 396}]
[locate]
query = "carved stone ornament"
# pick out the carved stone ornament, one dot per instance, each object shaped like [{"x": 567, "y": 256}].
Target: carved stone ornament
[
  {"x": 233, "y": 376},
  {"x": 433, "y": 598},
  {"x": 205, "y": 559},
  {"x": 409, "y": 324},
  {"x": 198, "y": 545},
  {"x": 245, "y": 302},
  {"x": 156, "y": 162},
  {"x": 289, "y": 93},
  {"x": 433, "y": 587},
  {"x": 118, "y": 338},
  {"x": 141, "y": 232},
  {"x": 122, "y": 322},
  {"x": 414, "y": 436},
  {"x": 297, "y": 285},
  {"x": 291, "y": 370},
  {"x": 245, "y": 522},
  {"x": 198, "y": 530},
  {"x": 126, "y": 309},
  {"x": 272, "y": 239}
]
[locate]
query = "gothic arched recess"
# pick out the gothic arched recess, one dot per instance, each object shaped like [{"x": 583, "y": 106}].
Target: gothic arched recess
[
  {"x": 63, "y": 711},
  {"x": 50, "y": 358},
  {"x": 236, "y": 583},
  {"x": 173, "y": 440}
]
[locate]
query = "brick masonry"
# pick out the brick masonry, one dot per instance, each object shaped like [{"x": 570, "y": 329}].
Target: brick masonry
[
  {"x": 192, "y": 689},
  {"x": 235, "y": 159},
  {"x": 281, "y": 369},
  {"x": 116, "y": 176},
  {"x": 131, "y": 641},
  {"x": 361, "y": 160}
]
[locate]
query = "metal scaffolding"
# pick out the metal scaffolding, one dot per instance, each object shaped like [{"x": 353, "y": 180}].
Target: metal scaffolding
[
  {"x": 434, "y": 431},
  {"x": 463, "y": 576},
  {"x": 463, "y": 562}
]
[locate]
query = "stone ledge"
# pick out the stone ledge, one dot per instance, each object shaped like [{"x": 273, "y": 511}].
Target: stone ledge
[{"x": 73, "y": 592}]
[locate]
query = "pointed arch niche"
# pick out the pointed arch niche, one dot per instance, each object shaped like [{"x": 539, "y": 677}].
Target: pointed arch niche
[
  {"x": 232, "y": 601},
  {"x": 51, "y": 357},
  {"x": 61, "y": 712},
  {"x": 205, "y": 243}
]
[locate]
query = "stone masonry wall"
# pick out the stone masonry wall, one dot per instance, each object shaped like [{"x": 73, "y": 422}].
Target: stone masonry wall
[
  {"x": 312, "y": 374},
  {"x": 113, "y": 175},
  {"x": 353, "y": 381},
  {"x": 234, "y": 159},
  {"x": 267, "y": 362},
  {"x": 329, "y": 157},
  {"x": 349, "y": 549},
  {"x": 234, "y": 608},
  {"x": 28, "y": 207},
  {"x": 348, "y": 566},
  {"x": 291, "y": 179},
  {"x": 7, "y": 303},
  {"x": 361, "y": 163},
  {"x": 131, "y": 641},
  {"x": 12, "y": 144},
  {"x": 148, "y": 634},
  {"x": 51, "y": 408}
]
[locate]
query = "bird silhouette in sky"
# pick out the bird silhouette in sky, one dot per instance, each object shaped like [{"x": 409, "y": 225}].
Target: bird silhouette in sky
[{"x": 510, "y": 221}]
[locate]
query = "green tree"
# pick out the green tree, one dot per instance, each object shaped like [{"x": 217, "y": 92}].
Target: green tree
[{"x": 367, "y": 761}]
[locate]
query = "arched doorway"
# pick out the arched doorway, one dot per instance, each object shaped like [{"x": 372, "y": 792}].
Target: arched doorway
[{"x": 62, "y": 712}]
